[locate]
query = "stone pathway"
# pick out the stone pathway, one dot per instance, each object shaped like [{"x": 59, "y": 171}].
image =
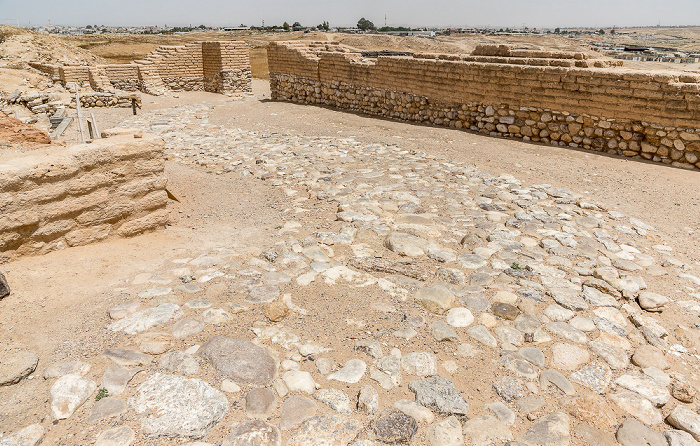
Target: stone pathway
[{"x": 439, "y": 304}]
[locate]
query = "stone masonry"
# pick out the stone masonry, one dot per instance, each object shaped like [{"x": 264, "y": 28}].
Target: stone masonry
[
  {"x": 553, "y": 98},
  {"x": 221, "y": 67}
]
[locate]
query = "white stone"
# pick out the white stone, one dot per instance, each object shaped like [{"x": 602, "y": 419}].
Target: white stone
[{"x": 68, "y": 393}]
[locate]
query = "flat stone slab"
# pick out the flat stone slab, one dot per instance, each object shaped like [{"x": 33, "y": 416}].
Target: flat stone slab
[
  {"x": 295, "y": 410},
  {"x": 254, "y": 433},
  {"x": 116, "y": 378},
  {"x": 123, "y": 310},
  {"x": 16, "y": 364},
  {"x": 647, "y": 387},
  {"x": 29, "y": 436},
  {"x": 187, "y": 327},
  {"x": 419, "y": 363},
  {"x": 637, "y": 406},
  {"x": 119, "y": 436},
  {"x": 685, "y": 419},
  {"x": 68, "y": 393},
  {"x": 240, "y": 360},
  {"x": 176, "y": 406},
  {"x": 325, "y": 430},
  {"x": 352, "y": 372},
  {"x": 106, "y": 408},
  {"x": 263, "y": 294},
  {"x": 550, "y": 430},
  {"x": 127, "y": 357},
  {"x": 486, "y": 430},
  {"x": 180, "y": 362},
  {"x": 66, "y": 368},
  {"x": 145, "y": 319},
  {"x": 634, "y": 433}
]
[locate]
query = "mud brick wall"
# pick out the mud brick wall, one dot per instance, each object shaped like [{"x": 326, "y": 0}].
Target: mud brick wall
[
  {"x": 122, "y": 76},
  {"x": 651, "y": 115},
  {"x": 226, "y": 64},
  {"x": 179, "y": 67},
  {"x": 226, "y": 67},
  {"x": 51, "y": 200},
  {"x": 74, "y": 73},
  {"x": 52, "y": 70}
]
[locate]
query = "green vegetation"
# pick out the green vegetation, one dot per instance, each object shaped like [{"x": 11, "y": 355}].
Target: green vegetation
[
  {"x": 365, "y": 25},
  {"x": 102, "y": 393}
]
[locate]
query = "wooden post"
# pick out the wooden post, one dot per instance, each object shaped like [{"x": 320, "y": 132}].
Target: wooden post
[
  {"x": 80, "y": 113},
  {"x": 133, "y": 105},
  {"x": 90, "y": 131},
  {"x": 98, "y": 135}
]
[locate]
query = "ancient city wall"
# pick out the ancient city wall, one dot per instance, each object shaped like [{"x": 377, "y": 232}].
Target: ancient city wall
[
  {"x": 49, "y": 200},
  {"x": 222, "y": 67},
  {"x": 554, "y": 98},
  {"x": 122, "y": 76}
]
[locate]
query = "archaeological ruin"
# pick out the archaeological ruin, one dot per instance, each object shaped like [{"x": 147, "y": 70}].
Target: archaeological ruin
[
  {"x": 554, "y": 98},
  {"x": 219, "y": 67},
  {"x": 54, "y": 198}
]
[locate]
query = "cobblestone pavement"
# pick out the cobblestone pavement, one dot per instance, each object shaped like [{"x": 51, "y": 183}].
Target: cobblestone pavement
[{"x": 406, "y": 299}]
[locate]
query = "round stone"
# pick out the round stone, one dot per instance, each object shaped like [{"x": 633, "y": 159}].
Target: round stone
[{"x": 459, "y": 317}]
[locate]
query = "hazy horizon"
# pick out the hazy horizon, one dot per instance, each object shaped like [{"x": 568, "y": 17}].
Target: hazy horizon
[{"x": 453, "y": 13}]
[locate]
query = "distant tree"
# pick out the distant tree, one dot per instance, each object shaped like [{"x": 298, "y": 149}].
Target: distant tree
[
  {"x": 601, "y": 32},
  {"x": 324, "y": 26},
  {"x": 557, "y": 30},
  {"x": 202, "y": 27},
  {"x": 88, "y": 27},
  {"x": 285, "y": 26},
  {"x": 365, "y": 25},
  {"x": 612, "y": 31},
  {"x": 296, "y": 25}
]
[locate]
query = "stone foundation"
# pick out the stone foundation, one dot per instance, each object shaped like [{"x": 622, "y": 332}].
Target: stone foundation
[
  {"x": 51, "y": 200},
  {"x": 679, "y": 147},
  {"x": 591, "y": 105},
  {"x": 98, "y": 99},
  {"x": 221, "y": 67}
]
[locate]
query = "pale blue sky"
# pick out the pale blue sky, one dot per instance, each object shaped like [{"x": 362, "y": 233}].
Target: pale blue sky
[{"x": 458, "y": 13}]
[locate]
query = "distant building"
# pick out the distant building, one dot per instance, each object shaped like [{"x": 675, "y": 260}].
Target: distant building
[{"x": 410, "y": 33}]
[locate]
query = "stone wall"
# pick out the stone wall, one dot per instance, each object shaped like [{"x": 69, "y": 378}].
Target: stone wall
[
  {"x": 51, "y": 70},
  {"x": 105, "y": 99},
  {"x": 554, "y": 98},
  {"x": 226, "y": 67},
  {"x": 222, "y": 67},
  {"x": 51, "y": 200}
]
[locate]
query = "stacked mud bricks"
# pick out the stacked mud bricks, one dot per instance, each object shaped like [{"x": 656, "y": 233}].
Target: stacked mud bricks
[
  {"x": 222, "y": 67},
  {"x": 53, "y": 199},
  {"x": 226, "y": 67},
  {"x": 557, "y": 98}
]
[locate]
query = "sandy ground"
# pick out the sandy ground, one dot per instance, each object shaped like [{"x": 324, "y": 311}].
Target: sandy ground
[
  {"x": 64, "y": 293},
  {"x": 666, "y": 196}
]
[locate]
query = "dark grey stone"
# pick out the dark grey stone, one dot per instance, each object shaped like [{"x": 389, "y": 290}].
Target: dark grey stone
[
  {"x": 394, "y": 426},
  {"x": 4, "y": 286}
]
